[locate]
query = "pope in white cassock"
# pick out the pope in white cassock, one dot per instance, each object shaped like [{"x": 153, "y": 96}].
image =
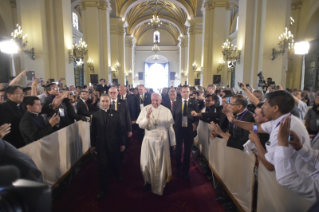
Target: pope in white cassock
[{"x": 158, "y": 122}]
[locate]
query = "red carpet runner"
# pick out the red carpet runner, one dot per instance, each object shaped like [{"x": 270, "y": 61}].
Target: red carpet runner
[{"x": 179, "y": 195}]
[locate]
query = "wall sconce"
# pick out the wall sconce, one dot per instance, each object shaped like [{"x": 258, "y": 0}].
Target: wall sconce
[
  {"x": 136, "y": 76},
  {"x": 286, "y": 41},
  {"x": 176, "y": 76},
  {"x": 229, "y": 50},
  {"x": 194, "y": 66},
  {"x": 21, "y": 41},
  {"x": 130, "y": 72},
  {"x": 116, "y": 66},
  {"x": 71, "y": 57},
  {"x": 221, "y": 65},
  {"x": 90, "y": 63},
  {"x": 183, "y": 73}
]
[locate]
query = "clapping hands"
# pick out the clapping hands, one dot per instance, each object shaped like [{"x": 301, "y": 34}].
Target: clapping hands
[
  {"x": 4, "y": 130},
  {"x": 286, "y": 136}
]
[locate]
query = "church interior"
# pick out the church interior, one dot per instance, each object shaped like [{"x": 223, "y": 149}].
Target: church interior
[{"x": 163, "y": 44}]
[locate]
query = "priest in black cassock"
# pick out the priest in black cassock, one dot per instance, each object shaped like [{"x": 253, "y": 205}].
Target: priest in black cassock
[
  {"x": 236, "y": 137},
  {"x": 108, "y": 137}
]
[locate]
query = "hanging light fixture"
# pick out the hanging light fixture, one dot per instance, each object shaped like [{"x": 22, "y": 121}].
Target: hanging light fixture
[{"x": 80, "y": 48}]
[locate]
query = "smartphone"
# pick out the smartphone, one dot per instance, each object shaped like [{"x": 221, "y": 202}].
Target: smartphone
[
  {"x": 30, "y": 75},
  {"x": 228, "y": 100},
  {"x": 247, "y": 85},
  {"x": 255, "y": 128},
  {"x": 40, "y": 80}
]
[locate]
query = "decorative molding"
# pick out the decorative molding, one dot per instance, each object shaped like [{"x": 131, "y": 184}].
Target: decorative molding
[
  {"x": 212, "y": 4},
  {"x": 296, "y": 6},
  {"x": 191, "y": 30},
  {"x": 100, "y": 4}
]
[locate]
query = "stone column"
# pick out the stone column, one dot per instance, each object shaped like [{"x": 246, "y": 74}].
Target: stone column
[
  {"x": 49, "y": 28},
  {"x": 129, "y": 53},
  {"x": 121, "y": 51},
  {"x": 275, "y": 17},
  {"x": 215, "y": 31},
  {"x": 182, "y": 56},
  {"x": 96, "y": 33},
  {"x": 191, "y": 50}
]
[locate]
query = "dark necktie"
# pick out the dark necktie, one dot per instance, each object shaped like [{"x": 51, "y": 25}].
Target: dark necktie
[
  {"x": 20, "y": 109},
  {"x": 142, "y": 100},
  {"x": 113, "y": 105},
  {"x": 122, "y": 97},
  {"x": 185, "y": 108}
]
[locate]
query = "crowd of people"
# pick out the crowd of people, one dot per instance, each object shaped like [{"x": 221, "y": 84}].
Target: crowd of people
[{"x": 279, "y": 125}]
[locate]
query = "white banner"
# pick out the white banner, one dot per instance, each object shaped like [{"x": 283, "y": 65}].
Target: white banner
[
  {"x": 55, "y": 154},
  {"x": 274, "y": 197},
  {"x": 234, "y": 167}
]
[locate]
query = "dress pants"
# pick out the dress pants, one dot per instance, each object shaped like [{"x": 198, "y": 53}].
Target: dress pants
[
  {"x": 108, "y": 163},
  {"x": 127, "y": 142},
  {"x": 185, "y": 135}
]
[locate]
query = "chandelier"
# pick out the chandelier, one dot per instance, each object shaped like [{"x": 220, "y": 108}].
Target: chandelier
[
  {"x": 286, "y": 41},
  {"x": 81, "y": 48},
  {"x": 229, "y": 50},
  {"x": 156, "y": 57},
  {"x": 79, "y": 63},
  {"x": 155, "y": 21},
  {"x": 155, "y": 48},
  {"x": 20, "y": 39}
]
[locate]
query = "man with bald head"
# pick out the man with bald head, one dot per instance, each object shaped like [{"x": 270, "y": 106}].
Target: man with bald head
[
  {"x": 158, "y": 122},
  {"x": 125, "y": 119}
]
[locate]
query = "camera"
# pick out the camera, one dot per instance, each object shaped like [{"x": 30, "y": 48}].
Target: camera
[
  {"x": 22, "y": 195},
  {"x": 261, "y": 81},
  {"x": 275, "y": 87}
]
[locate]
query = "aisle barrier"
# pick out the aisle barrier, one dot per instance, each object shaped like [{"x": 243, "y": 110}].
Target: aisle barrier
[
  {"x": 235, "y": 171},
  {"x": 55, "y": 154}
]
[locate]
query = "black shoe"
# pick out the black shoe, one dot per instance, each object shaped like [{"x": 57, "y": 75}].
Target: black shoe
[
  {"x": 146, "y": 187},
  {"x": 231, "y": 207},
  {"x": 119, "y": 178},
  {"x": 178, "y": 173},
  {"x": 101, "y": 195},
  {"x": 223, "y": 199},
  {"x": 186, "y": 177}
]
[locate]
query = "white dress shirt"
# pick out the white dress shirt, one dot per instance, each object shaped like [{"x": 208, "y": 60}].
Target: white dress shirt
[
  {"x": 287, "y": 175},
  {"x": 272, "y": 128}
]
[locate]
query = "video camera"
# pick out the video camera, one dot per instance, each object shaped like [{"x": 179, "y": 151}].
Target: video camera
[
  {"x": 22, "y": 195},
  {"x": 261, "y": 81}
]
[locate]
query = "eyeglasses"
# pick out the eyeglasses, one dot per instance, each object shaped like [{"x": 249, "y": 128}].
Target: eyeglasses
[
  {"x": 55, "y": 89},
  {"x": 233, "y": 104},
  {"x": 19, "y": 93},
  {"x": 112, "y": 92}
]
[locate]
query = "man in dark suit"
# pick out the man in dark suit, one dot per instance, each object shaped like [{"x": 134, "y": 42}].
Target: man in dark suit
[
  {"x": 125, "y": 119},
  {"x": 179, "y": 92},
  {"x": 212, "y": 110},
  {"x": 185, "y": 125},
  {"x": 165, "y": 95},
  {"x": 12, "y": 112},
  {"x": 130, "y": 103},
  {"x": 172, "y": 98},
  {"x": 141, "y": 100},
  {"x": 108, "y": 137},
  {"x": 237, "y": 136},
  {"x": 32, "y": 125},
  {"x": 82, "y": 107},
  {"x": 102, "y": 87}
]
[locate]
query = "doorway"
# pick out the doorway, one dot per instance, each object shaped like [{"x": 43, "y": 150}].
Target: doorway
[{"x": 156, "y": 76}]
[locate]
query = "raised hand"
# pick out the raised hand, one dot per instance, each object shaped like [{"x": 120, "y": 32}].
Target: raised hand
[
  {"x": 253, "y": 137},
  {"x": 230, "y": 117},
  {"x": 4, "y": 130},
  {"x": 284, "y": 132},
  {"x": 149, "y": 112},
  {"x": 55, "y": 119}
]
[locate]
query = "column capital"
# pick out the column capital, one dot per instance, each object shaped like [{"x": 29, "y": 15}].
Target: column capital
[
  {"x": 13, "y": 3},
  {"x": 212, "y": 4},
  {"x": 121, "y": 26},
  {"x": 129, "y": 41},
  {"x": 100, "y": 4},
  {"x": 296, "y": 6}
]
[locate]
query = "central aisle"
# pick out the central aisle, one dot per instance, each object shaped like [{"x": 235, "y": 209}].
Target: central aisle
[{"x": 179, "y": 195}]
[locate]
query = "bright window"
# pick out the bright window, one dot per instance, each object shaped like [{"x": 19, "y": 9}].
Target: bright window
[
  {"x": 156, "y": 76},
  {"x": 156, "y": 37},
  {"x": 75, "y": 21}
]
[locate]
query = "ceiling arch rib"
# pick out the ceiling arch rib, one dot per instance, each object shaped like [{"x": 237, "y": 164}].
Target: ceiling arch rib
[
  {"x": 173, "y": 16},
  {"x": 124, "y": 6},
  {"x": 170, "y": 28}
]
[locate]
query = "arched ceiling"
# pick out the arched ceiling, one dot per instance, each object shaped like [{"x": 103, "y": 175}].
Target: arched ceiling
[{"x": 172, "y": 16}]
